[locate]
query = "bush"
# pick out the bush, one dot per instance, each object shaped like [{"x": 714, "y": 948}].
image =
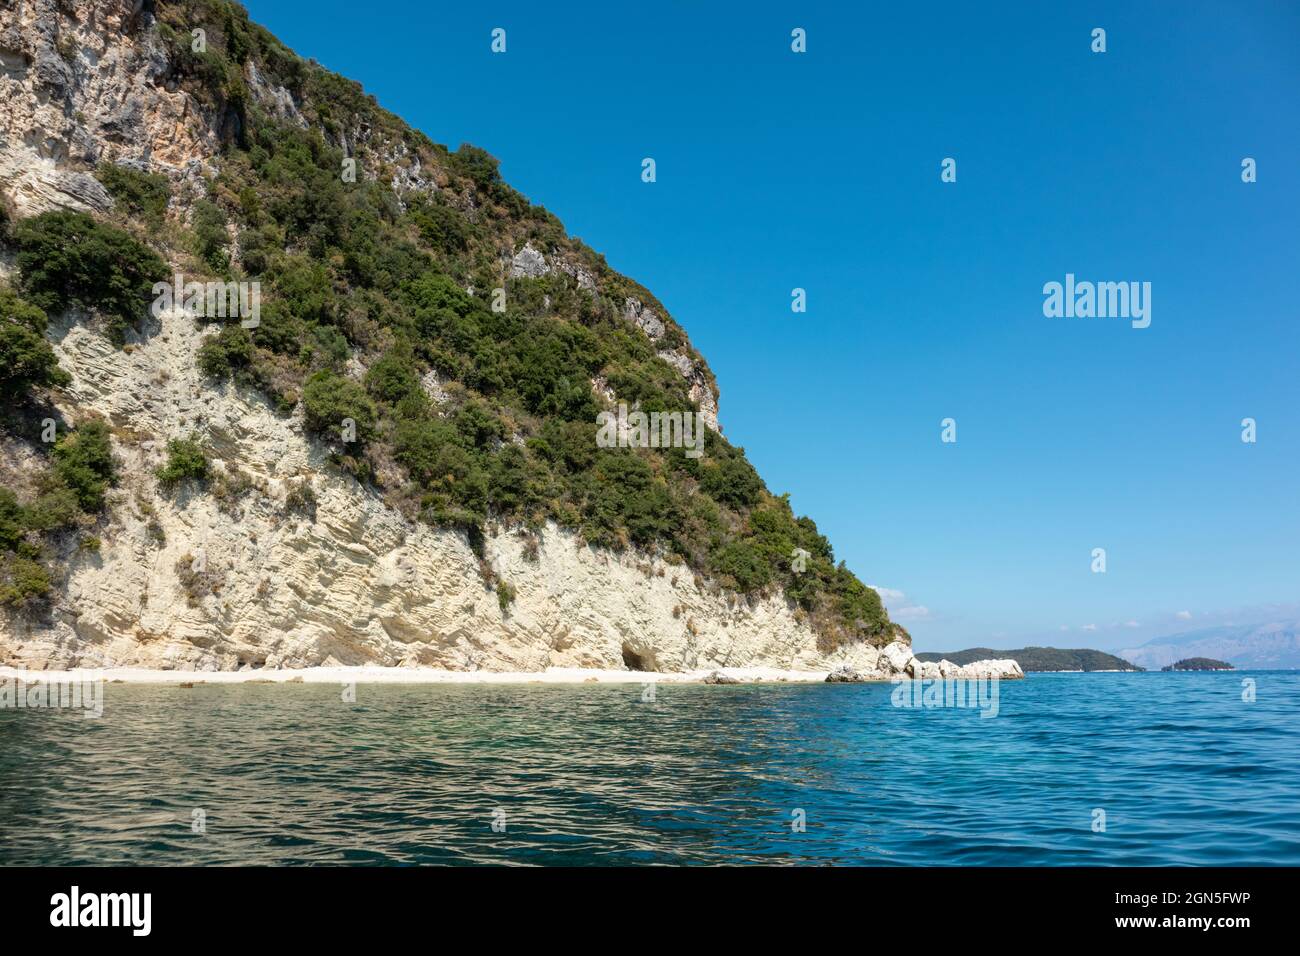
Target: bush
[
  {"x": 744, "y": 564},
  {"x": 186, "y": 461},
  {"x": 26, "y": 359},
  {"x": 22, "y": 581},
  {"x": 329, "y": 400},
  {"x": 140, "y": 194},
  {"x": 393, "y": 377},
  {"x": 83, "y": 461},
  {"x": 211, "y": 241},
  {"x": 228, "y": 352},
  {"x": 11, "y": 520},
  {"x": 56, "y": 507},
  {"x": 477, "y": 165},
  {"x": 68, "y": 258},
  {"x": 441, "y": 227}
]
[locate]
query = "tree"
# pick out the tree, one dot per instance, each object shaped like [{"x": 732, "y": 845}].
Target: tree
[
  {"x": 83, "y": 460},
  {"x": 329, "y": 401},
  {"x": 68, "y": 258},
  {"x": 26, "y": 359}
]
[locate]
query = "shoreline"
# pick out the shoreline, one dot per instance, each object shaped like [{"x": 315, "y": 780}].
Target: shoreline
[{"x": 413, "y": 675}]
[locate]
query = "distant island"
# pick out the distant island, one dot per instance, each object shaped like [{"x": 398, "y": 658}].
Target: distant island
[
  {"x": 1041, "y": 659},
  {"x": 1197, "y": 664}
]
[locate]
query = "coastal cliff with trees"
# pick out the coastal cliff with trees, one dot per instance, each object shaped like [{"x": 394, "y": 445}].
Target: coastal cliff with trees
[{"x": 395, "y": 463}]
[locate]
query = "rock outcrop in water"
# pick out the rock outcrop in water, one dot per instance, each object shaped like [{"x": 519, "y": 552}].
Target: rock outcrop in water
[{"x": 897, "y": 661}]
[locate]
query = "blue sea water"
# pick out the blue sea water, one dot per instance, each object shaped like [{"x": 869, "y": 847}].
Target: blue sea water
[{"x": 1185, "y": 770}]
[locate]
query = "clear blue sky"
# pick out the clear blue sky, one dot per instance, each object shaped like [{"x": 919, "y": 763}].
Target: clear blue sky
[{"x": 821, "y": 170}]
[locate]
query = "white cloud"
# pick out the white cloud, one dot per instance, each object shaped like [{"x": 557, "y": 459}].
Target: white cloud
[
  {"x": 897, "y": 605},
  {"x": 1090, "y": 627},
  {"x": 1065, "y": 627},
  {"x": 1132, "y": 624},
  {"x": 1184, "y": 615}
]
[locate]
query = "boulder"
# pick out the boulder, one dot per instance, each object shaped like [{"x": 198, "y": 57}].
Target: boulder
[
  {"x": 844, "y": 674},
  {"x": 1005, "y": 669},
  {"x": 894, "y": 657},
  {"x": 717, "y": 677}
]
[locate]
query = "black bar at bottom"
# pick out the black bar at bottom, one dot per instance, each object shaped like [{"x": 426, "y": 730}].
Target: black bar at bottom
[{"x": 333, "y": 905}]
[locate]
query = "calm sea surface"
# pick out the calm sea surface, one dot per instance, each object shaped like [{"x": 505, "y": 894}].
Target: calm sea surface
[{"x": 1185, "y": 771}]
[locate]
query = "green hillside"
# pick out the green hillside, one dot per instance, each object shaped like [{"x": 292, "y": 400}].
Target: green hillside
[
  {"x": 394, "y": 273},
  {"x": 1039, "y": 658}
]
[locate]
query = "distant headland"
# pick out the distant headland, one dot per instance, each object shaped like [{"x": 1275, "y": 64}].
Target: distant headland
[{"x": 1041, "y": 659}]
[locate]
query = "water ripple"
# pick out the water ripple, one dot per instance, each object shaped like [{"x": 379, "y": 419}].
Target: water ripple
[{"x": 1184, "y": 770}]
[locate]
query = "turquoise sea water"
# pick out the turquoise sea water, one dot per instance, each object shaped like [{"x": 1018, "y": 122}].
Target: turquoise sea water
[{"x": 1184, "y": 769}]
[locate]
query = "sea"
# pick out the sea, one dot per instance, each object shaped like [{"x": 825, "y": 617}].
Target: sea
[{"x": 1133, "y": 769}]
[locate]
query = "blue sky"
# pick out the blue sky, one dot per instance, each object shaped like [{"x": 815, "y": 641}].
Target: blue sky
[{"x": 822, "y": 171}]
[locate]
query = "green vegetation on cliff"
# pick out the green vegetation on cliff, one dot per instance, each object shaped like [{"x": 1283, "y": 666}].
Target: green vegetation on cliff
[{"x": 379, "y": 316}]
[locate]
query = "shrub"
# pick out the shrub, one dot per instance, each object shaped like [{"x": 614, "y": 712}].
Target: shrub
[
  {"x": 329, "y": 400},
  {"x": 22, "y": 581},
  {"x": 732, "y": 482},
  {"x": 141, "y": 194},
  {"x": 744, "y": 564},
  {"x": 228, "y": 352},
  {"x": 505, "y": 595},
  {"x": 56, "y": 507},
  {"x": 393, "y": 376},
  {"x": 211, "y": 241},
  {"x": 186, "y": 461},
  {"x": 301, "y": 499},
  {"x": 477, "y": 165},
  {"x": 68, "y": 258},
  {"x": 26, "y": 359},
  {"x": 441, "y": 227},
  {"x": 83, "y": 461},
  {"x": 11, "y": 520}
]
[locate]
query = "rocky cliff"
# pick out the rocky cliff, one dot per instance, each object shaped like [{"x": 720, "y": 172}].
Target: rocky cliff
[{"x": 283, "y": 558}]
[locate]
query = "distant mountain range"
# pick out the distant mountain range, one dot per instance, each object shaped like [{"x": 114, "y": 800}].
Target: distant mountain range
[
  {"x": 1247, "y": 647},
  {"x": 1039, "y": 659}
]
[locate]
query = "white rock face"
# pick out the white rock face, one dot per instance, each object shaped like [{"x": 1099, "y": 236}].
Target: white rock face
[
  {"x": 701, "y": 392},
  {"x": 528, "y": 263},
  {"x": 644, "y": 318},
  {"x": 358, "y": 583},
  {"x": 78, "y": 91},
  {"x": 894, "y": 657}
]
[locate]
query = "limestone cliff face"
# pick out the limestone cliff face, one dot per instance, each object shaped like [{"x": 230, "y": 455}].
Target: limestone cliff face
[
  {"x": 77, "y": 90},
  {"x": 282, "y": 561},
  {"x": 220, "y": 579}
]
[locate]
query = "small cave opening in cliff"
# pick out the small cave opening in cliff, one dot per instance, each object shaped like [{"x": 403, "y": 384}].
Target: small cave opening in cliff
[{"x": 632, "y": 661}]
